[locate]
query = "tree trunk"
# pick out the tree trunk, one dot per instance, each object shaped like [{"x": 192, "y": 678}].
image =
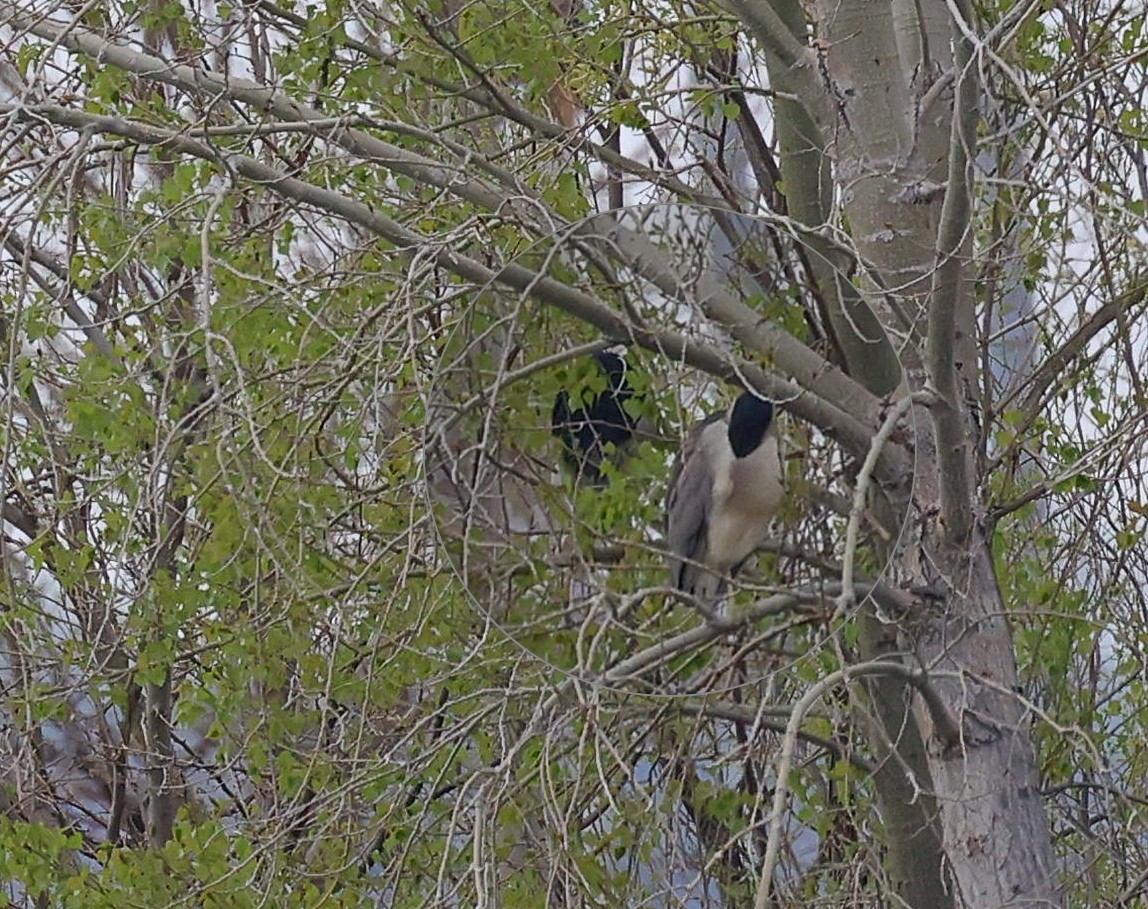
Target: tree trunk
[
  {"x": 902, "y": 112},
  {"x": 992, "y": 814}
]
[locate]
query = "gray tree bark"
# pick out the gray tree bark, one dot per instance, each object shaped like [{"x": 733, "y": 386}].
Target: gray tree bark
[{"x": 892, "y": 89}]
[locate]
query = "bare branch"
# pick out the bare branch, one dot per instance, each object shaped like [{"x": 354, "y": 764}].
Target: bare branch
[
  {"x": 643, "y": 661},
  {"x": 1052, "y": 368},
  {"x": 861, "y": 491},
  {"x": 26, "y": 252},
  {"x": 948, "y": 295},
  {"x": 895, "y": 468},
  {"x": 773, "y": 33},
  {"x": 455, "y": 180},
  {"x": 753, "y": 717},
  {"x": 915, "y": 677}
]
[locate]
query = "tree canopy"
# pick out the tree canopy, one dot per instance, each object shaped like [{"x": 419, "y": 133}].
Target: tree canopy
[{"x": 299, "y": 607}]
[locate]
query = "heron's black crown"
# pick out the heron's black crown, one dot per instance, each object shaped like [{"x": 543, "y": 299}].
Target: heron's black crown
[{"x": 748, "y": 423}]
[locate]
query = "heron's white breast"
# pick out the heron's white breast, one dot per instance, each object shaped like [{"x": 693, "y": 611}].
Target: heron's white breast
[{"x": 746, "y": 494}]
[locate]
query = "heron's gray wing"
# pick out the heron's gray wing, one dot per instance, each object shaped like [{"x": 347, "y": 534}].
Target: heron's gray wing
[{"x": 688, "y": 506}]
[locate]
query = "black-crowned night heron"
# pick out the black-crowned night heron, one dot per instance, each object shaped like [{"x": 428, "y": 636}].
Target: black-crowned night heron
[
  {"x": 601, "y": 428},
  {"x": 725, "y": 488}
]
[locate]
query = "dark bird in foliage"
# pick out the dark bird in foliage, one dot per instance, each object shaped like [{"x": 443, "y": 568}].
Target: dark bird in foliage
[
  {"x": 601, "y": 428},
  {"x": 725, "y": 488}
]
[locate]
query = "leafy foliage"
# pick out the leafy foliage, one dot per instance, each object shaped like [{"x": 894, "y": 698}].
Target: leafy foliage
[{"x": 254, "y": 649}]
